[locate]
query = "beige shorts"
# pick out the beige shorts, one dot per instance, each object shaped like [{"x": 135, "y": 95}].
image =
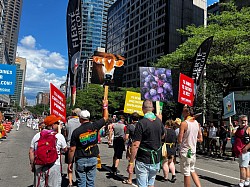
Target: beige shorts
[{"x": 187, "y": 164}]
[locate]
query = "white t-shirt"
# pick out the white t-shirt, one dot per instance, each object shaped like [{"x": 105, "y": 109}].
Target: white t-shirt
[
  {"x": 212, "y": 132},
  {"x": 60, "y": 144},
  {"x": 177, "y": 131}
]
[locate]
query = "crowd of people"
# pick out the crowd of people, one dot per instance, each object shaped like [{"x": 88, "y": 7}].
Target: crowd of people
[{"x": 150, "y": 145}]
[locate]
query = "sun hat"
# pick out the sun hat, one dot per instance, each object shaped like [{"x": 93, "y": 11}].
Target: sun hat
[
  {"x": 177, "y": 121},
  {"x": 76, "y": 111},
  {"x": 50, "y": 120}
]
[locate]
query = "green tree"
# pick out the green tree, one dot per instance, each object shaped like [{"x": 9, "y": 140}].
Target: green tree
[
  {"x": 229, "y": 57},
  {"x": 91, "y": 97}
]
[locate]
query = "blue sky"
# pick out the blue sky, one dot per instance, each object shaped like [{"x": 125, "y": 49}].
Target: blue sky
[
  {"x": 43, "y": 42},
  {"x": 209, "y": 2}
]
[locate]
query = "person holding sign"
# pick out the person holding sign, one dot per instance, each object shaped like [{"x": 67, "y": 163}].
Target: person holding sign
[{"x": 83, "y": 146}]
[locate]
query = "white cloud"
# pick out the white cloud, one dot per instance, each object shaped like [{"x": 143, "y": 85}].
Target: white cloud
[
  {"x": 29, "y": 41},
  {"x": 43, "y": 67}
]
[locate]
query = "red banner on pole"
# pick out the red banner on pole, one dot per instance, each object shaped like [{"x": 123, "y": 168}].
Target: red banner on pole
[
  {"x": 186, "y": 90},
  {"x": 57, "y": 102}
]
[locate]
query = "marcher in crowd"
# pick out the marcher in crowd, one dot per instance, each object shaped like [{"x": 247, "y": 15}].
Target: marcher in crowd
[
  {"x": 72, "y": 124},
  {"x": 110, "y": 131},
  {"x": 177, "y": 123},
  {"x": 169, "y": 146},
  {"x": 241, "y": 148},
  {"x": 205, "y": 143},
  {"x": 233, "y": 128},
  {"x": 223, "y": 134},
  {"x": 190, "y": 133},
  {"x": 48, "y": 175},
  {"x": 118, "y": 130},
  {"x": 146, "y": 146},
  {"x": 83, "y": 146},
  {"x": 130, "y": 132},
  {"x": 212, "y": 138}
]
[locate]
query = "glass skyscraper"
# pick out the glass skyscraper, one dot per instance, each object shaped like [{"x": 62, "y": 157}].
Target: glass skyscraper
[
  {"x": 94, "y": 29},
  {"x": 144, "y": 30},
  {"x": 20, "y": 79}
]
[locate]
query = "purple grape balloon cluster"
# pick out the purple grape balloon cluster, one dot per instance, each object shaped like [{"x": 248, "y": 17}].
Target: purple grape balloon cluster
[{"x": 156, "y": 84}]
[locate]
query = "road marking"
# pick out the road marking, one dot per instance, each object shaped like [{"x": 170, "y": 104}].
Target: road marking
[{"x": 217, "y": 173}]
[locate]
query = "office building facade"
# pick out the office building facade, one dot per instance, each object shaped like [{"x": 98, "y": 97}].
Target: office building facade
[
  {"x": 43, "y": 98},
  {"x": 94, "y": 29},
  {"x": 11, "y": 24},
  {"x": 20, "y": 79},
  {"x": 145, "y": 30}
]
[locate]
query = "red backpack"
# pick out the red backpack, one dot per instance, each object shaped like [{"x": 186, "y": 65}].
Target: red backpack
[{"x": 46, "y": 152}]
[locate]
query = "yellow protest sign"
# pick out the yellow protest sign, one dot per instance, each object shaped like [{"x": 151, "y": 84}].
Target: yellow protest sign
[{"x": 133, "y": 103}]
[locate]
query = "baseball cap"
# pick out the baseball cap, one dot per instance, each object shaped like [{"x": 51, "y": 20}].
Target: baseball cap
[
  {"x": 84, "y": 114},
  {"x": 76, "y": 111},
  {"x": 50, "y": 120}
]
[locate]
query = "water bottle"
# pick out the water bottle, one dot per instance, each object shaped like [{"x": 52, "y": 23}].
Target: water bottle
[{"x": 189, "y": 153}]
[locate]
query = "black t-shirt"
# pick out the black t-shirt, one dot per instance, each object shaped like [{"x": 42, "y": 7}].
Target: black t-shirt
[
  {"x": 223, "y": 133},
  {"x": 131, "y": 131},
  {"x": 170, "y": 136},
  {"x": 149, "y": 133},
  {"x": 85, "y": 138}
]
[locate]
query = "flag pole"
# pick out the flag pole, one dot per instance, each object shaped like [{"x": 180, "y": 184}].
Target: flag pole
[{"x": 204, "y": 94}]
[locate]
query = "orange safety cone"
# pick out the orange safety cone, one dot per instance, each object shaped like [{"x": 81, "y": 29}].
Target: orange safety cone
[
  {"x": 4, "y": 135},
  {"x": 99, "y": 163}
]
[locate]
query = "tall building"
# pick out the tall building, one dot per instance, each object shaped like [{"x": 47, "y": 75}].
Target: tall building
[
  {"x": 20, "y": 79},
  {"x": 43, "y": 98},
  {"x": 144, "y": 30},
  {"x": 4, "y": 57},
  {"x": 11, "y": 23},
  {"x": 94, "y": 29},
  {"x": 1, "y": 15}
]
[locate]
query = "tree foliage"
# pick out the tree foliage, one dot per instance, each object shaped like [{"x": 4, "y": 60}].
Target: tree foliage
[
  {"x": 91, "y": 97},
  {"x": 229, "y": 58}
]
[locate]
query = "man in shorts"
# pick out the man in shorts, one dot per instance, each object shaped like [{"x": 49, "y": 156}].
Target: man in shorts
[
  {"x": 118, "y": 130},
  {"x": 190, "y": 133},
  {"x": 241, "y": 147}
]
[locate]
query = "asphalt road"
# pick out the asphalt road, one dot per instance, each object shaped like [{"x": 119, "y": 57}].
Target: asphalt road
[{"x": 15, "y": 169}]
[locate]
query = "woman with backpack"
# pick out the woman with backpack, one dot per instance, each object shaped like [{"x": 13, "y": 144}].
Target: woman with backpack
[
  {"x": 168, "y": 151},
  {"x": 45, "y": 154}
]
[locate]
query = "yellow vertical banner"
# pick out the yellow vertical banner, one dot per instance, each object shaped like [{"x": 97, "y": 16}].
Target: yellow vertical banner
[{"x": 133, "y": 103}]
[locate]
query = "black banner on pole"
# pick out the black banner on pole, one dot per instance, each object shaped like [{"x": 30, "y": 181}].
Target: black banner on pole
[
  {"x": 74, "y": 32},
  {"x": 199, "y": 62}
]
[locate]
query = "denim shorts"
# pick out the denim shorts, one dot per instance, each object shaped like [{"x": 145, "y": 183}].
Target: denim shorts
[
  {"x": 244, "y": 160},
  {"x": 146, "y": 173}
]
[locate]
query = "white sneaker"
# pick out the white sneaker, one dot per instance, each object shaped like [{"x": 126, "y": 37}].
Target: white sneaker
[{"x": 246, "y": 183}]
